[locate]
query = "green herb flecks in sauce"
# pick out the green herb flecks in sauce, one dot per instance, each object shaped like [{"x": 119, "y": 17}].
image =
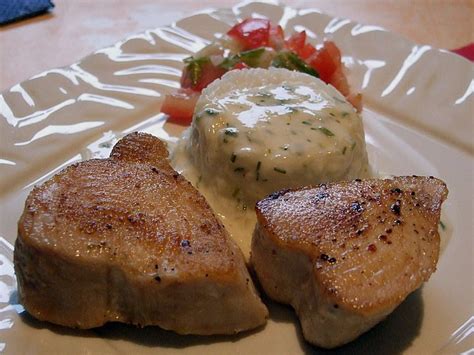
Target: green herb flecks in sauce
[
  {"x": 257, "y": 170},
  {"x": 324, "y": 130},
  {"x": 236, "y": 192},
  {"x": 442, "y": 225},
  {"x": 233, "y": 132},
  {"x": 279, "y": 170},
  {"x": 198, "y": 181},
  {"x": 339, "y": 100},
  {"x": 207, "y": 112}
]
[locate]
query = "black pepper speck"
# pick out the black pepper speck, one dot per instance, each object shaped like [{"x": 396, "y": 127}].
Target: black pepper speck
[
  {"x": 357, "y": 207},
  {"x": 396, "y": 207},
  {"x": 322, "y": 195}
]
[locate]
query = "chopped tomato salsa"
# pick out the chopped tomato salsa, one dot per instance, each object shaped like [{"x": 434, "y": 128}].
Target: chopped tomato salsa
[
  {"x": 200, "y": 73},
  {"x": 261, "y": 44},
  {"x": 180, "y": 106},
  {"x": 251, "y": 33}
]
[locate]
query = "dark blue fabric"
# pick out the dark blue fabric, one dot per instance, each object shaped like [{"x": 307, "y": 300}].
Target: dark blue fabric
[{"x": 12, "y": 10}]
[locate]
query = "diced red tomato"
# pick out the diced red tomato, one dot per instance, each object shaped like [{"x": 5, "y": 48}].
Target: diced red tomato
[
  {"x": 209, "y": 73},
  {"x": 240, "y": 65},
  {"x": 186, "y": 81},
  {"x": 356, "y": 101},
  {"x": 324, "y": 63},
  {"x": 333, "y": 51},
  {"x": 277, "y": 37},
  {"x": 180, "y": 106},
  {"x": 307, "y": 51},
  {"x": 251, "y": 33},
  {"x": 296, "y": 41},
  {"x": 339, "y": 81}
]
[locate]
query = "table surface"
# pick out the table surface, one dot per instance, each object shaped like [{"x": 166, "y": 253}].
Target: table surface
[{"x": 76, "y": 28}]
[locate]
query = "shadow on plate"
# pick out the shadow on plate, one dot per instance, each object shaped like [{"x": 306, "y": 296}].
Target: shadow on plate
[
  {"x": 147, "y": 336},
  {"x": 392, "y": 336}
]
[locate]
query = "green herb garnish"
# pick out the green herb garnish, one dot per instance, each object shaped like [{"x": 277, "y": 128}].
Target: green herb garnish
[
  {"x": 279, "y": 170},
  {"x": 324, "y": 130},
  {"x": 233, "y": 132},
  {"x": 442, "y": 225},
  {"x": 339, "y": 100},
  {"x": 207, "y": 111},
  {"x": 249, "y": 57},
  {"x": 306, "y": 123},
  {"x": 105, "y": 145},
  {"x": 236, "y": 191},
  {"x": 259, "y": 164},
  {"x": 194, "y": 67},
  {"x": 264, "y": 94},
  {"x": 229, "y": 62},
  {"x": 291, "y": 61},
  {"x": 211, "y": 111},
  {"x": 288, "y": 88},
  {"x": 344, "y": 151}
]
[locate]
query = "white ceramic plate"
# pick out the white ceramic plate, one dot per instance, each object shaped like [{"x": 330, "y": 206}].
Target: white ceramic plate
[{"x": 418, "y": 117}]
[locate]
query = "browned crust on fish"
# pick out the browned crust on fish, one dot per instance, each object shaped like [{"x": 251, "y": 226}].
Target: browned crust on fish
[
  {"x": 371, "y": 242},
  {"x": 129, "y": 239}
]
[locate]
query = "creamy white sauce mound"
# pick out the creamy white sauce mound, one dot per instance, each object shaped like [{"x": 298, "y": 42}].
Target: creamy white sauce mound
[{"x": 258, "y": 131}]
